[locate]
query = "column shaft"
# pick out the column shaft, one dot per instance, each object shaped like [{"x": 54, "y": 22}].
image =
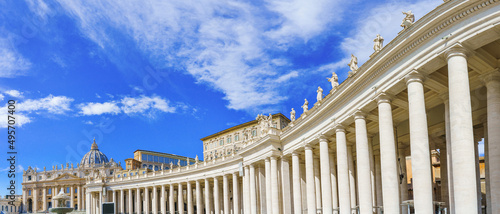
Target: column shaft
[
  {"x": 146, "y": 200},
  {"x": 154, "y": 200},
  {"x": 311, "y": 188},
  {"x": 326, "y": 194},
  {"x": 274, "y": 185},
  {"x": 236, "y": 194},
  {"x": 122, "y": 202},
  {"x": 163, "y": 205},
  {"x": 343, "y": 172},
  {"x": 130, "y": 202},
  {"x": 297, "y": 196},
  {"x": 253, "y": 191},
  {"x": 363, "y": 166},
  {"x": 225, "y": 187},
  {"x": 180, "y": 199},
  {"x": 207, "y": 197},
  {"x": 138, "y": 200},
  {"x": 269, "y": 199},
  {"x": 352, "y": 178},
  {"x": 189, "y": 198},
  {"x": 199, "y": 208},
  {"x": 493, "y": 137}
]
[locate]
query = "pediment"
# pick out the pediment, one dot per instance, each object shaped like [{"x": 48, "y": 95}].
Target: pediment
[{"x": 66, "y": 176}]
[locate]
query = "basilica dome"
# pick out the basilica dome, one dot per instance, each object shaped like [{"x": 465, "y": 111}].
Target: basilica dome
[{"x": 94, "y": 157}]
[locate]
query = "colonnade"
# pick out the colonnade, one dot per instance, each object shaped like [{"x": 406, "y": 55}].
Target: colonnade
[{"x": 41, "y": 194}]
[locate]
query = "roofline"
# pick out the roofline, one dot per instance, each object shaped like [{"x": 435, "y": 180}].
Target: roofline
[
  {"x": 241, "y": 125},
  {"x": 165, "y": 154}
]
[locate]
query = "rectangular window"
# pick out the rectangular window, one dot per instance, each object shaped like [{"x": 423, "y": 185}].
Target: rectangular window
[
  {"x": 155, "y": 158},
  {"x": 229, "y": 140},
  {"x": 144, "y": 158},
  {"x": 29, "y": 192},
  {"x": 221, "y": 142},
  {"x": 162, "y": 160},
  {"x": 50, "y": 191},
  {"x": 76, "y": 190},
  {"x": 67, "y": 189},
  {"x": 150, "y": 158},
  {"x": 236, "y": 137}
]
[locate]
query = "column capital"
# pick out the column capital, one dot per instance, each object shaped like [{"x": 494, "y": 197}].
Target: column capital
[
  {"x": 339, "y": 128},
  {"x": 295, "y": 153},
  {"x": 493, "y": 75},
  {"x": 359, "y": 115},
  {"x": 383, "y": 97},
  {"x": 322, "y": 138},
  {"x": 415, "y": 76},
  {"x": 308, "y": 147},
  {"x": 456, "y": 49}
]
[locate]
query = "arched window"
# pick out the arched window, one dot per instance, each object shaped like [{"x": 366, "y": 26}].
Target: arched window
[
  {"x": 150, "y": 167},
  {"x": 144, "y": 165},
  {"x": 156, "y": 168}
]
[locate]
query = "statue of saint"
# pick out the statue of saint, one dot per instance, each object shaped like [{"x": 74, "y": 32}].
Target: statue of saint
[
  {"x": 408, "y": 19},
  {"x": 319, "y": 96},
  {"x": 179, "y": 163},
  {"x": 378, "y": 43},
  {"x": 305, "y": 107},
  {"x": 196, "y": 159},
  {"x": 334, "y": 80},
  {"x": 171, "y": 165},
  {"x": 292, "y": 115},
  {"x": 353, "y": 64}
]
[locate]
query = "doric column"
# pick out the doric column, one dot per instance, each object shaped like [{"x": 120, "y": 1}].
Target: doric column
[
  {"x": 190, "y": 209},
  {"x": 138, "y": 200},
  {"x": 246, "y": 190},
  {"x": 286, "y": 187},
  {"x": 388, "y": 160},
  {"x": 462, "y": 136},
  {"x": 403, "y": 188},
  {"x": 216, "y": 196},
  {"x": 225, "y": 187},
  {"x": 154, "y": 200},
  {"x": 363, "y": 165},
  {"x": 180, "y": 199},
  {"x": 146, "y": 200},
  {"x": 130, "y": 202},
  {"x": 171, "y": 201},
  {"x": 274, "y": 185},
  {"x": 444, "y": 173},
  {"x": 35, "y": 200},
  {"x": 326, "y": 194},
  {"x": 44, "y": 197},
  {"x": 87, "y": 203},
  {"x": 492, "y": 82},
  {"x": 343, "y": 171},
  {"x": 317, "y": 183},
  {"x": 352, "y": 177},
  {"x": 99, "y": 202},
  {"x": 253, "y": 191},
  {"x": 333, "y": 181},
  {"x": 297, "y": 197},
  {"x": 163, "y": 205},
  {"x": 311, "y": 188},
  {"x": 122, "y": 208},
  {"x": 79, "y": 197},
  {"x": 269, "y": 199},
  {"x": 236, "y": 194},
  {"x": 487, "y": 168},
  {"x": 114, "y": 200},
  {"x": 372, "y": 170},
  {"x": 378, "y": 181},
  {"x": 72, "y": 195},
  {"x": 207, "y": 196},
  {"x": 419, "y": 142},
  {"x": 199, "y": 206},
  {"x": 449, "y": 155}
]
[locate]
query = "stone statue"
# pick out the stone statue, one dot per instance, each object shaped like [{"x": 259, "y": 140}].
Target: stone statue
[
  {"x": 353, "y": 64},
  {"x": 378, "y": 43},
  {"x": 62, "y": 166},
  {"x": 53, "y": 167},
  {"x": 408, "y": 19},
  {"x": 292, "y": 115},
  {"x": 188, "y": 161},
  {"x": 179, "y": 163},
  {"x": 334, "y": 80},
  {"x": 319, "y": 96},
  {"x": 270, "y": 120},
  {"x": 71, "y": 165},
  {"x": 171, "y": 165},
  {"x": 196, "y": 159},
  {"x": 305, "y": 107},
  {"x": 44, "y": 169}
]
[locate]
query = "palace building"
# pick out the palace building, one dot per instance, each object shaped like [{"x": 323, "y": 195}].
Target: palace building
[{"x": 428, "y": 96}]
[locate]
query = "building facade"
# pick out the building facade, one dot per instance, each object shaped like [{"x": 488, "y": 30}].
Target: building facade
[
  {"x": 10, "y": 206},
  {"x": 435, "y": 86},
  {"x": 156, "y": 160}
]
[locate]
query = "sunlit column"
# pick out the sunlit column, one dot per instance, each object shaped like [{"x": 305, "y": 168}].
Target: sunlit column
[
  {"x": 253, "y": 191},
  {"x": 419, "y": 142},
  {"x": 363, "y": 165},
  {"x": 130, "y": 201},
  {"x": 317, "y": 183},
  {"x": 236, "y": 194},
  {"x": 269, "y": 199},
  {"x": 311, "y": 188},
  {"x": 352, "y": 177},
  {"x": 343, "y": 171},
  {"x": 403, "y": 187},
  {"x": 180, "y": 199},
  {"x": 207, "y": 196},
  {"x": 154, "y": 200},
  {"x": 79, "y": 197},
  {"x": 274, "y": 185},
  {"x": 87, "y": 203},
  {"x": 122, "y": 209},
  {"x": 146, "y": 200},
  {"x": 225, "y": 189},
  {"x": 171, "y": 202},
  {"x": 163, "y": 205},
  {"x": 297, "y": 197},
  {"x": 326, "y": 194},
  {"x": 190, "y": 209},
  {"x": 199, "y": 206},
  {"x": 333, "y": 180},
  {"x": 286, "y": 188},
  {"x": 138, "y": 200}
]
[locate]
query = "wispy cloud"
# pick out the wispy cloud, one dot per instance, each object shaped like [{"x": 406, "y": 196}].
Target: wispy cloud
[
  {"x": 12, "y": 63},
  {"x": 14, "y": 93},
  {"x": 142, "y": 105}
]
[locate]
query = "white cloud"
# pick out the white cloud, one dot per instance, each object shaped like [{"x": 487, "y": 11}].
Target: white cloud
[
  {"x": 52, "y": 104},
  {"x": 20, "y": 118},
  {"x": 223, "y": 44},
  {"x": 12, "y": 64},
  {"x": 1, "y": 97},
  {"x": 143, "y": 105},
  {"x": 88, "y": 122},
  {"x": 97, "y": 95},
  {"x": 287, "y": 77},
  {"x": 14, "y": 93},
  {"x": 99, "y": 108}
]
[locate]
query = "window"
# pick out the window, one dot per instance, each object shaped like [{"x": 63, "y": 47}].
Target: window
[
  {"x": 50, "y": 191},
  {"x": 76, "y": 190},
  {"x": 111, "y": 172},
  {"x": 155, "y": 158},
  {"x": 229, "y": 140},
  {"x": 150, "y": 157},
  {"x": 131, "y": 174},
  {"x": 143, "y": 172},
  {"x": 144, "y": 157},
  {"x": 67, "y": 189},
  {"x": 156, "y": 168},
  {"x": 236, "y": 137},
  {"x": 144, "y": 165},
  {"x": 39, "y": 177},
  {"x": 254, "y": 132},
  {"x": 29, "y": 178},
  {"x": 118, "y": 176},
  {"x": 150, "y": 167},
  {"x": 124, "y": 175},
  {"x": 162, "y": 160},
  {"x": 29, "y": 192}
]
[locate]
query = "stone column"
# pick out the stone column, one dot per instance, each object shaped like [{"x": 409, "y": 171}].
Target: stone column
[
  {"x": 326, "y": 194},
  {"x": 311, "y": 188},
  {"x": 246, "y": 190},
  {"x": 138, "y": 200},
  {"x": 274, "y": 185},
  {"x": 317, "y": 183},
  {"x": 171, "y": 202},
  {"x": 180, "y": 199},
  {"x": 163, "y": 205},
  {"x": 146, "y": 200},
  {"x": 253, "y": 192},
  {"x": 79, "y": 197},
  {"x": 236, "y": 194},
  {"x": 225, "y": 187},
  {"x": 99, "y": 202},
  {"x": 343, "y": 171},
  {"x": 122, "y": 209},
  {"x": 492, "y": 82},
  {"x": 87, "y": 204},
  {"x": 388, "y": 160},
  {"x": 207, "y": 196},
  {"x": 199, "y": 206},
  {"x": 269, "y": 199},
  {"x": 363, "y": 165},
  {"x": 297, "y": 197},
  {"x": 286, "y": 187},
  {"x": 449, "y": 156},
  {"x": 444, "y": 173},
  {"x": 372, "y": 170},
  {"x": 378, "y": 181},
  {"x": 72, "y": 195},
  {"x": 190, "y": 209},
  {"x": 216, "y": 196},
  {"x": 403, "y": 188},
  {"x": 352, "y": 178},
  {"x": 130, "y": 202},
  {"x": 419, "y": 142},
  {"x": 462, "y": 136},
  {"x": 487, "y": 168},
  {"x": 154, "y": 200},
  {"x": 44, "y": 199},
  {"x": 333, "y": 181},
  {"x": 35, "y": 200}
]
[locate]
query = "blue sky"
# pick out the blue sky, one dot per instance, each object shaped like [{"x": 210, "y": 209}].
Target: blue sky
[{"x": 160, "y": 75}]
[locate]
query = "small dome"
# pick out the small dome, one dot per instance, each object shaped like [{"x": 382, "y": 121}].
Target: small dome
[{"x": 94, "y": 156}]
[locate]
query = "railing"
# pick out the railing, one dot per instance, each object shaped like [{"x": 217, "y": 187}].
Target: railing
[{"x": 439, "y": 207}]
